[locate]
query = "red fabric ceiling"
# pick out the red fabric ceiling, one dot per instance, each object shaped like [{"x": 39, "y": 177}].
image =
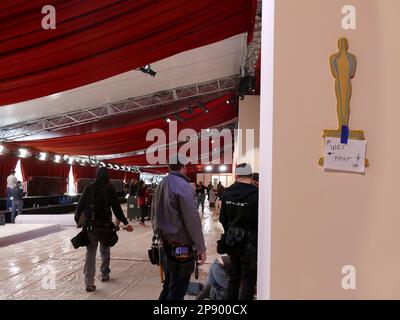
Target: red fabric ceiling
[
  {"x": 98, "y": 39},
  {"x": 132, "y": 138}
]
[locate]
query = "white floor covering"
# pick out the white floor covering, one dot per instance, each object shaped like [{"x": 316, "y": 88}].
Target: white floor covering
[
  {"x": 15, "y": 233},
  {"x": 50, "y": 268}
]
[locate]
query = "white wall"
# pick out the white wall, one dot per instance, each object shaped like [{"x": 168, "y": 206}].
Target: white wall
[{"x": 323, "y": 221}]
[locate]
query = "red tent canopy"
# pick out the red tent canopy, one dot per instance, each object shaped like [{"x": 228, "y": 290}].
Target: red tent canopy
[
  {"x": 94, "y": 40},
  {"x": 133, "y": 137}
]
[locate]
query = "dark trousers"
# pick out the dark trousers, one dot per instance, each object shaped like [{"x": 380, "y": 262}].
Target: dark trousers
[
  {"x": 9, "y": 201},
  {"x": 176, "y": 280},
  {"x": 143, "y": 212},
  {"x": 242, "y": 270}
]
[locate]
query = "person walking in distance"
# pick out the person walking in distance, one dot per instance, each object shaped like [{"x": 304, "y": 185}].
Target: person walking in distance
[
  {"x": 177, "y": 223},
  {"x": 17, "y": 201},
  {"x": 11, "y": 183},
  {"x": 94, "y": 212},
  {"x": 239, "y": 218},
  {"x": 201, "y": 191},
  {"x": 143, "y": 195}
]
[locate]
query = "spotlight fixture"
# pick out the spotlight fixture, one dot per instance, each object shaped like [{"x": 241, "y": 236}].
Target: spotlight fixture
[
  {"x": 222, "y": 168},
  {"x": 117, "y": 167},
  {"x": 147, "y": 69},
  {"x": 110, "y": 166},
  {"x": 57, "y": 158},
  {"x": 178, "y": 117},
  {"x": 23, "y": 153},
  {"x": 102, "y": 164},
  {"x": 3, "y": 150},
  {"x": 247, "y": 86},
  {"x": 212, "y": 141},
  {"x": 203, "y": 107},
  {"x": 167, "y": 119},
  {"x": 71, "y": 161},
  {"x": 83, "y": 162},
  {"x": 208, "y": 168},
  {"x": 42, "y": 156},
  {"x": 94, "y": 163}
]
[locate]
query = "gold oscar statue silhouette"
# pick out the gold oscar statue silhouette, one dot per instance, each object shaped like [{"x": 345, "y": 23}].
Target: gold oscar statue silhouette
[{"x": 343, "y": 67}]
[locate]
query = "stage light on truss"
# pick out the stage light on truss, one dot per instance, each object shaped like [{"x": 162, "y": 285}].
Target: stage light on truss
[
  {"x": 110, "y": 166},
  {"x": 94, "y": 163},
  {"x": 102, "y": 164},
  {"x": 23, "y": 153},
  {"x": 71, "y": 161},
  {"x": 209, "y": 168},
  {"x": 223, "y": 168},
  {"x": 203, "y": 107},
  {"x": 167, "y": 119},
  {"x": 117, "y": 167},
  {"x": 178, "y": 117},
  {"x": 147, "y": 69},
  {"x": 3, "y": 149},
  {"x": 57, "y": 158},
  {"x": 42, "y": 156}
]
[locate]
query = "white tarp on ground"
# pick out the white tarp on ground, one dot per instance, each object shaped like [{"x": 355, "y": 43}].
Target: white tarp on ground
[
  {"x": 16, "y": 233},
  {"x": 66, "y": 220}
]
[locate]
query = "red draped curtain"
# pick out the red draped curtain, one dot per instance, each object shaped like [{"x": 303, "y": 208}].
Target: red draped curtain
[
  {"x": 94, "y": 40},
  {"x": 7, "y": 163},
  {"x": 31, "y": 167}
]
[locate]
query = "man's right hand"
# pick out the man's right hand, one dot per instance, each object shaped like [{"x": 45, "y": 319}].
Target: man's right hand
[
  {"x": 202, "y": 257},
  {"x": 129, "y": 228}
]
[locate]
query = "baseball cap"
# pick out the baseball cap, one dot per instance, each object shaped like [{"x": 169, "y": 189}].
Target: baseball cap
[{"x": 243, "y": 169}]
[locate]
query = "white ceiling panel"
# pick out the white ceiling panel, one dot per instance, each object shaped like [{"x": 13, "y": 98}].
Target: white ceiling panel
[{"x": 210, "y": 62}]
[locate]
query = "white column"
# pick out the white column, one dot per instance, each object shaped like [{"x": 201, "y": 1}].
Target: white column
[{"x": 266, "y": 131}]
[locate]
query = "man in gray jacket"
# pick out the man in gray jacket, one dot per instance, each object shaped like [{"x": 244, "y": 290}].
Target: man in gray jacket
[{"x": 176, "y": 220}]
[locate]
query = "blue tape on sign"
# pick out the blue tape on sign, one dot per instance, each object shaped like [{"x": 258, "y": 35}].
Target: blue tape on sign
[{"x": 344, "y": 138}]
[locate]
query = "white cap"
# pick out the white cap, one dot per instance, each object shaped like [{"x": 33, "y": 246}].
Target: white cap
[{"x": 243, "y": 170}]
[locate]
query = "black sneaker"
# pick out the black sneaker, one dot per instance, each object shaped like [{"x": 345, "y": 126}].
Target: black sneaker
[
  {"x": 105, "y": 278},
  {"x": 91, "y": 288}
]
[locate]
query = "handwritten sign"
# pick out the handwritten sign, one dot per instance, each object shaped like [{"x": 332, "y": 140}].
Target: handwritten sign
[{"x": 344, "y": 157}]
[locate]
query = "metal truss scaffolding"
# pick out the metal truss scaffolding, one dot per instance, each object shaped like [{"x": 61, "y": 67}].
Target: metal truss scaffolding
[{"x": 130, "y": 105}]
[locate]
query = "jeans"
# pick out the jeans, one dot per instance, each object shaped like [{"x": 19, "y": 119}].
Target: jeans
[
  {"x": 90, "y": 261},
  {"x": 9, "y": 201},
  {"x": 242, "y": 269},
  {"x": 176, "y": 280},
  {"x": 200, "y": 200},
  {"x": 16, "y": 205}
]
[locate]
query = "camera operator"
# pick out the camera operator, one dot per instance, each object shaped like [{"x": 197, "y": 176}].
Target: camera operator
[{"x": 239, "y": 217}]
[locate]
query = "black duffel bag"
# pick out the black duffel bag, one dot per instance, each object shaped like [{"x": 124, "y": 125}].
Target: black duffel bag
[{"x": 106, "y": 234}]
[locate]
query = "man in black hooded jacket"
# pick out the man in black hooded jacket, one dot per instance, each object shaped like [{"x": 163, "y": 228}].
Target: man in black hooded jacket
[
  {"x": 98, "y": 199},
  {"x": 239, "y": 217}
]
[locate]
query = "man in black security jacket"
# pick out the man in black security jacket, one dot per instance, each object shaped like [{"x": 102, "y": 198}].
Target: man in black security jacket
[
  {"x": 239, "y": 217},
  {"x": 99, "y": 197}
]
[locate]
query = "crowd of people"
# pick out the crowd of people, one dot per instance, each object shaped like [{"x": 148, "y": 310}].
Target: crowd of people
[{"x": 174, "y": 209}]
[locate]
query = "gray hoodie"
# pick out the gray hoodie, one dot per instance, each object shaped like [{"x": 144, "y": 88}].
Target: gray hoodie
[{"x": 174, "y": 211}]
